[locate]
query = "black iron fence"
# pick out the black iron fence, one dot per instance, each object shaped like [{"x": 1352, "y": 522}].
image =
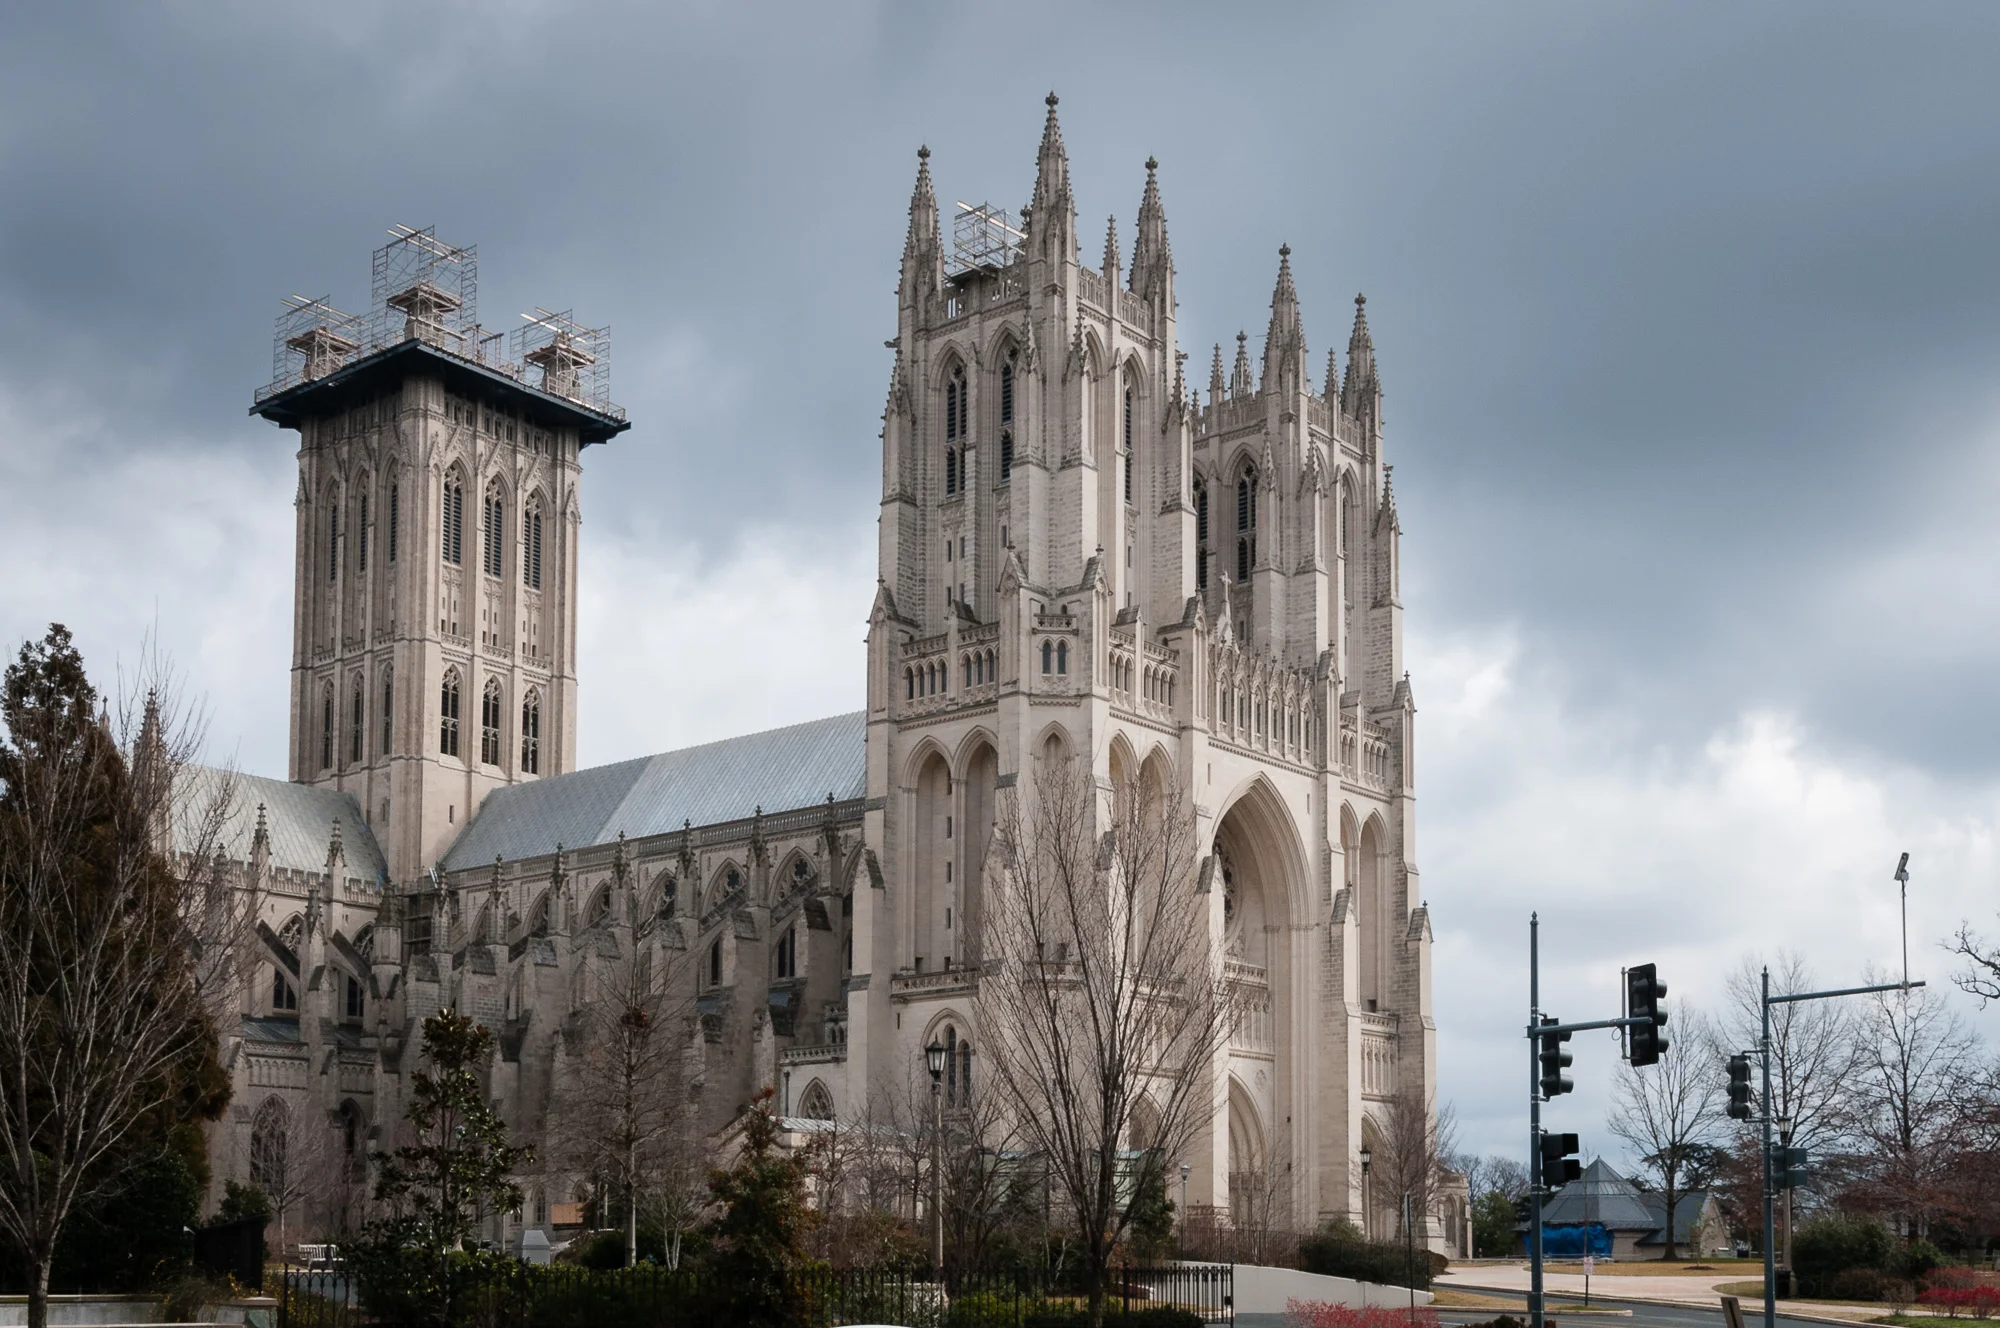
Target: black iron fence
[{"x": 519, "y": 1295}]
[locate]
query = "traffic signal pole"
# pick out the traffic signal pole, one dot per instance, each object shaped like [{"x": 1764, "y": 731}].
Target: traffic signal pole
[
  {"x": 1534, "y": 1121},
  {"x": 1770, "y": 1178}
]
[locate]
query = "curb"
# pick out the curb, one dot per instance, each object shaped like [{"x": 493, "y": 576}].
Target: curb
[{"x": 1805, "y": 1315}]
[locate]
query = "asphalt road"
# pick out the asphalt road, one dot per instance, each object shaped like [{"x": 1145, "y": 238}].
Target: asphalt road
[{"x": 1644, "y": 1315}]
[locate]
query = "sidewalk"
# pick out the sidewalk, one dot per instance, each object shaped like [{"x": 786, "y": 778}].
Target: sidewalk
[{"x": 1667, "y": 1290}]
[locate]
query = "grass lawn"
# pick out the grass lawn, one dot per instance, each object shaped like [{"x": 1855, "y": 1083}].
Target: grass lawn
[{"x": 1925, "y": 1320}]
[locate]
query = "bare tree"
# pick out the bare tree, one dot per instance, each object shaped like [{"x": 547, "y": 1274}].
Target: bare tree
[
  {"x": 1981, "y": 975},
  {"x": 1668, "y": 1113},
  {"x": 1100, "y": 988},
  {"x": 297, "y": 1160},
  {"x": 100, "y": 1016},
  {"x": 1815, "y": 1048},
  {"x": 1417, "y": 1137},
  {"x": 1919, "y": 1069},
  {"x": 622, "y": 1110},
  {"x": 1495, "y": 1173}
]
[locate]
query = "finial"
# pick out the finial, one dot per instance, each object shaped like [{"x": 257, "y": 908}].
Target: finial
[
  {"x": 1052, "y": 99},
  {"x": 1152, "y": 164},
  {"x": 1360, "y": 300},
  {"x": 1284, "y": 251},
  {"x": 924, "y": 152},
  {"x": 1242, "y": 337}
]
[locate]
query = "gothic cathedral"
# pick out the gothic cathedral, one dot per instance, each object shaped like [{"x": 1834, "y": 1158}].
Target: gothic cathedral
[{"x": 1076, "y": 548}]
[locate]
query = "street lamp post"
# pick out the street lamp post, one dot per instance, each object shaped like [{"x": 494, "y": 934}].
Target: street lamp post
[
  {"x": 1182, "y": 1215},
  {"x": 1367, "y": 1222},
  {"x": 934, "y": 1061}
]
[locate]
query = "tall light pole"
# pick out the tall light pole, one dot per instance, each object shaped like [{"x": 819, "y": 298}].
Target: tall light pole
[
  {"x": 1182, "y": 1214},
  {"x": 1903, "y": 884},
  {"x": 934, "y": 1061},
  {"x": 1367, "y": 1221}
]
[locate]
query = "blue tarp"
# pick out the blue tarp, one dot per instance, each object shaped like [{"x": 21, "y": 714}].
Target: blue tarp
[{"x": 1573, "y": 1242}]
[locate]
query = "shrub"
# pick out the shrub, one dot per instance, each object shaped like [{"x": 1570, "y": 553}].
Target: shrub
[
  {"x": 1914, "y": 1260},
  {"x": 1330, "y": 1314},
  {"x": 240, "y": 1202},
  {"x": 1826, "y": 1246},
  {"x": 1337, "y": 1250},
  {"x": 983, "y": 1309},
  {"x": 1859, "y": 1284}
]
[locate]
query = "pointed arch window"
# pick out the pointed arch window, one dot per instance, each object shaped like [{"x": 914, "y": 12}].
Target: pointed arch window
[
  {"x": 494, "y": 528},
  {"x": 448, "y": 714},
  {"x": 326, "y": 728},
  {"x": 452, "y": 520},
  {"x": 1246, "y": 524},
  {"x": 489, "y": 723},
  {"x": 361, "y": 536},
  {"x": 955, "y": 413},
  {"x": 531, "y": 734},
  {"x": 388, "y": 711},
  {"x": 332, "y": 539},
  {"x": 1200, "y": 535},
  {"x": 1062, "y": 657},
  {"x": 284, "y": 996},
  {"x": 395, "y": 510},
  {"x": 1128, "y": 443},
  {"x": 357, "y": 728},
  {"x": 531, "y": 545},
  {"x": 1048, "y": 656},
  {"x": 1007, "y": 420}
]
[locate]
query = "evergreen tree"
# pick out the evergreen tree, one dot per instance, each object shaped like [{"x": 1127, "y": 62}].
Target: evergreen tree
[{"x": 759, "y": 1236}]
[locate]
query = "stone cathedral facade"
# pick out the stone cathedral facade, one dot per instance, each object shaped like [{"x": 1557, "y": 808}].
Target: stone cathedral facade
[{"x": 1079, "y": 551}]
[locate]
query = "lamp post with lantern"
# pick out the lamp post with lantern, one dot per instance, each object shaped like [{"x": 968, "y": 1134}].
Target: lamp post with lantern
[
  {"x": 934, "y": 1056},
  {"x": 1367, "y": 1222}
]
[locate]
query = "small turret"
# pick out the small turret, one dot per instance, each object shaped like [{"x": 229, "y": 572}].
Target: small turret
[
  {"x": 1215, "y": 379},
  {"x": 1111, "y": 263},
  {"x": 260, "y": 848},
  {"x": 1240, "y": 382}
]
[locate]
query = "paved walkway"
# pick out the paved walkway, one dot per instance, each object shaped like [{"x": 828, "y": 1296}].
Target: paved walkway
[{"x": 1678, "y": 1290}]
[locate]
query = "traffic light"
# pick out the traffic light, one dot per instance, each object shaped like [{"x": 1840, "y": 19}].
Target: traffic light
[
  {"x": 1643, "y": 991},
  {"x": 1739, "y": 1086},
  {"x": 1559, "y": 1164},
  {"x": 1791, "y": 1168},
  {"x": 1554, "y": 1061}
]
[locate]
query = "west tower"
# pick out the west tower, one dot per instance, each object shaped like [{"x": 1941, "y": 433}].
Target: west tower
[
  {"x": 1077, "y": 550},
  {"x": 434, "y": 611}
]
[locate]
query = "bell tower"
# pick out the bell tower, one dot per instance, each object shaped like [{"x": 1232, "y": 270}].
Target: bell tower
[{"x": 434, "y": 606}]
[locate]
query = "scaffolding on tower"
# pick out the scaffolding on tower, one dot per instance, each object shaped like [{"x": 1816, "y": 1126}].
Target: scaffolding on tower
[
  {"x": 313, "y": 340},
  {"x": 982, "y": 236},
  {"x": 574, "y": 360},
  {"x": 422, "y": 289}
]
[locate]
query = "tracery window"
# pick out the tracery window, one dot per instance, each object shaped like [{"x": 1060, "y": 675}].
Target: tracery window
[
  {"x": 395, "y": 510},
  {"x": 332, "y": 539},
  {"x": 1062, "y": 657},
  {"x": 955, "y": 414},
  {"x": 1048, "y": 656},
  {"x": 361, "y": 537},
  {"x": 452, "y": 520},
  {"x": 448, "y": 714},
  {"x": 1200, "y": 535},
  {"x": 531, "y": 546},
  {"x": 1246, "y": 524},
  {"x": 388, "y": 712},
  {"x": 495, "y": 531},
  {"x": 531, "y": 734},
  {"x": 489, "y": 723},
  {"x": 1128, "y": 444}
]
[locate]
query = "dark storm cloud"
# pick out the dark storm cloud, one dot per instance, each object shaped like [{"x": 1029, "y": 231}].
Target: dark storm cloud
[{"x": 1687, "y": 313}]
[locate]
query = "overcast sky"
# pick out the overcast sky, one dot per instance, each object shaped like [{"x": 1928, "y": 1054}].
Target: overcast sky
[{"x": 1688, "y": 318}]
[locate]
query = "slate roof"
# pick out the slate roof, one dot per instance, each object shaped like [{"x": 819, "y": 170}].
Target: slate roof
[
  {"x": 779, "y": 770},
  {"x": 1687, "y": 1212},
  {"x": 299, "y": 819},
  {"x": 1602, "y": 1196}
]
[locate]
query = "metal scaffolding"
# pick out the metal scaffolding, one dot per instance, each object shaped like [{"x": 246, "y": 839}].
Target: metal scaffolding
[
  {"x": 982, "y": 236},
  {"x": 422, "y": 289}
]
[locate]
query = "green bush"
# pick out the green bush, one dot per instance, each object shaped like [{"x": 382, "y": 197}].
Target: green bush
[
  {"x": 1827, "y": 1246},
  {"x": 1859, "y": 1284},
  {"x": 1338, "y": 1250},
  {"x": 1915, "y": 1259},
  {"x": 984, "y": 1309}
]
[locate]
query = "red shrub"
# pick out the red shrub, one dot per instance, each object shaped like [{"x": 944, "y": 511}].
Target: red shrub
[{"x": 1328, "y": 1314}]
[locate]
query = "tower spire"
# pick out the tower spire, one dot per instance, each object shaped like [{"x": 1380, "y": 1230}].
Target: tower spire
[
  {"x": 1239, "y": 378},
  {"x": 1152, "y": 257},
  {"x": 923, "y": 247},
  {"x": 1215, "y": 380},
  {"x": 1285, "y": 341},
  {"x": 1051, "y": 210},
  {"x": 1111, "y": 263},
  {"x": 1361, "y": 375}
]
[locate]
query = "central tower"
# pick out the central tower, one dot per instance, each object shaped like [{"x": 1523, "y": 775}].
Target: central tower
[
  {"x": 1077, "y": 553},
  {"x": 434, "y": 627}
]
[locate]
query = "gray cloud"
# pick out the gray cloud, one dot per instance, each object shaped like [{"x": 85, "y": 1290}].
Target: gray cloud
[{"x": 1686, "y": 316}]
